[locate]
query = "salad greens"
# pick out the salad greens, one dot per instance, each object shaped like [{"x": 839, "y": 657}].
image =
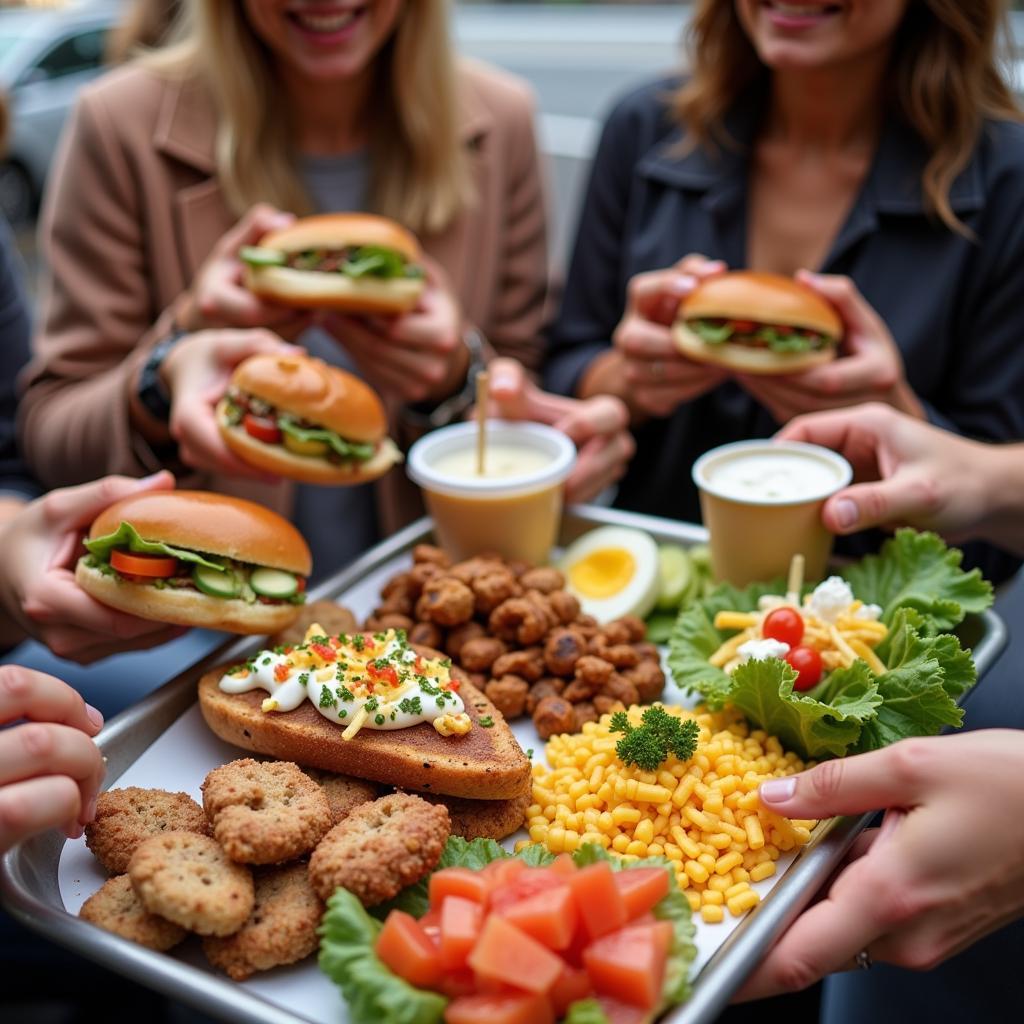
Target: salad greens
[
  {"x": 126, "y": 536},
  {"x": 778, "y": 339},
  {"x": 922, "y": 591},
  {"x": 354, "y": 450}
]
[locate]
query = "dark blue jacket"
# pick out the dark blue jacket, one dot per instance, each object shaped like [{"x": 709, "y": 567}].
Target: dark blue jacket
[{"x": 955, "y": 306}]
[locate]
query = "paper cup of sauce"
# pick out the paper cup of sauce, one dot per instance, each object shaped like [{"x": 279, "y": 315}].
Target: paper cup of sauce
[
  {"x": 514, "y": 508},
  {"x": 761, "y": 502}
]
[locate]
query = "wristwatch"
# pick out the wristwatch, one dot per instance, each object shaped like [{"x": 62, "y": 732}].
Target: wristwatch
[
  {"x": 151, "y": 391},
  {"x": 428, "y": 416}
]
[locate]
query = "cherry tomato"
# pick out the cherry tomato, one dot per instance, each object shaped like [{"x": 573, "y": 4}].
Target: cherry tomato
[
  {"x": 785, "y": 625},
  {"x": 128, "y": 563},
  {"x": 263, "y": 429},
  {"x": 806, "y": 662}
]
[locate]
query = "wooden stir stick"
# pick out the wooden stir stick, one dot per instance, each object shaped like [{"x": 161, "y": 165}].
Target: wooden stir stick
[
  {"x": 482, "y": 392},
  {"x": 796, "y": 581}
]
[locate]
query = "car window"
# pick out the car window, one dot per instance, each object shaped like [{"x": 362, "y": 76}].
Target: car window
[
  {"x": 8, "y": 44},
  {"x": 80, "y": 52}
]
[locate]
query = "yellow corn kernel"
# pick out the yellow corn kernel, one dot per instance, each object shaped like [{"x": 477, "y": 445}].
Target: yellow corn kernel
[
  {"x": 735, "y": 890},
  {"x": 701, "y": 820},
  {"x": 655, "y": 850},
  {"x": 711, "y": 897},
  {"x": 577, "y": 789},
  {"x": 708, "y": 861},
  {"x": 637, "y": 849},
  {"x": 570, "y": 840},
  {"x": 620, "y": 842},
  {"x": 755, "y": 834},
  {"x": 759, "y": 872},
  {"x": 684, "y": 842},
  {"x": 605, "y": 821},
  {"x": 720, "y": 841},
  {"x": 773, "y": 852},
  {"x": 538, "y": 833},
  {"x": 623, "y": 815},
  {"x": 711, "y": 914},
  {"x": 647, "y": 793},
  {"x": 719, "y": 883},
  {"x": 644, "y": 831},
  {"x": 697, "y": 871},
  {"x": 672, "y": 852},
  {"x": 556, "y": 839},
  {"x": 740, "y": 874},
  {"x": 714, "y": 803},
  {"x": 694, "y": 901},
  {"x": 743, "y": 902},
  {"x": 683, "y": 791}
]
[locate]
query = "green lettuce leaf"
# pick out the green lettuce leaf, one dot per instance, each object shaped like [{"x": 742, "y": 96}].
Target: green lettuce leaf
[
  {"x": 585, "y": 1011},
  {"x": 372, "y": 992},
  {"x": 126, "y": 536},
  {"x": 354, "y": 450},
  {"x": 377, "y": 261},
  {"x": 712, "y": 334},
  {"x": 917, "y": 570}
]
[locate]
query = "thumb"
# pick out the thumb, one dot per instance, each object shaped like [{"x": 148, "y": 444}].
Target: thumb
[
  {"x": 234, "y": 346},
  {"x": 903, "y": 498},
  {"x": 72, "y": 508},
  {"x": 846, "y": 785},
  {"x": 507, "y": 380},
  {"x": 854, "y": 310}
]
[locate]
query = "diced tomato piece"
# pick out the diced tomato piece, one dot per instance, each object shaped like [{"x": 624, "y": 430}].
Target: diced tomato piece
[
  {"x": 503, "y": 870},
  {"x": 461, "y": 921},
  {"x": 504, "y": 953},
  {"x": 622, "y": 1013},
  {"x": 262, "y": 428},
  {"x": 282, "y": 672},
  {"x": 641, "y": 889},
  {"x": 430, "y": 922},
  {"x": 549, "y": 916},
  {"x": 457, "y": 983},
  {"x": 387, "y": 673},
  {"x": 499, "y": 1009},
  {"x": 563, "y": 865},
  {"x": 404, "y": 948},
  {"x": 470, "y": 885},
  {"x": 743, "y": 326},
  {"x": 522, "y": 885},
  {"x": 597, "y": 896},
  {"x": 630, "y": 964},
  {"x": 131, "y": 563},
  {"x": 572, "y": 984},
  {"x": 324, "y": 651}
]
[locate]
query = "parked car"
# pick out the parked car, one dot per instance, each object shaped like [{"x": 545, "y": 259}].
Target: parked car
[{"x": 46, "y": 56}]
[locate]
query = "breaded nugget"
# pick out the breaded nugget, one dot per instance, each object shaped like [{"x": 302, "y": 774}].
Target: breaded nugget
[
  {"x": 125, "y": 817},
  {"x": 281, "y": 928},
  {"x": 483, "y": 819},
  {"x": 265, "y": 812},
  {"x": 333, "y": 617},
  {"x": 344, "y": 793},
  {"x": 115, "y": 908},
  {"x": 380, "y": 848},
  {"x": 188, "y": 879}
]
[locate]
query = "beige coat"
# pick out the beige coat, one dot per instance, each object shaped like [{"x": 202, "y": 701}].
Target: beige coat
[{"x": 135, "y": 207}]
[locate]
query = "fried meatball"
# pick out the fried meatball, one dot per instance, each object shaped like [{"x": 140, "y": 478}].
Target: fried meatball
[
  {"x": 400, "y": 584},
  {"x": 426, "y": 634},
  {"x": 446, "y": 601},
  {"x": 604, "y": 705},
  {"x": 553, "y": 716},
  {"x": 549, "y": 686},
  {"x": 518, "y": 620},
  {"x": 460, "y": 636},
  {"x": 518, "y": 567},
  {"x": 648, "y": 679},
  {"x": 564, "y": 647},
  {"x": 389, "y": 620},
  {"x": 491, "y": 588},
  {"x": 622, "y": 689},
  {"x": 564, "y": 605},
  {"x": 593, "y": 671},
  {"x": 647, "y": 651},
  {"x": 508, "y": 695},
  {"x": 636, "y": 626},
  {"x": 527, "y": 663},
  {"x": 431, "y": 554},
  {"x": 468, "y": 570},
  {"x": 579, "y": 690},
  {"x": 540, "y": 600},
  {"x": 544, "y": 579},
  {"x": 478, "y": 679},
  {"x": 480, "y": 653},
  {"x": 584, "y": 712},
  {"x": 421, "y": 574},
  {"x": 622, "y": 656},
  {"x": 614, "y": 633}
]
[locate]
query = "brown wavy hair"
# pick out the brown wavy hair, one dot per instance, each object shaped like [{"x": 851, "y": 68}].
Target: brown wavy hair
[{"x": 945, "y": 81}]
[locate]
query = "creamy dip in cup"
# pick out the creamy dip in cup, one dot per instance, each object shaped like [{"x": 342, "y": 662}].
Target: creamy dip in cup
[
  {"x": 761, "y": 502},
  {"x": 515, "y": 507}
]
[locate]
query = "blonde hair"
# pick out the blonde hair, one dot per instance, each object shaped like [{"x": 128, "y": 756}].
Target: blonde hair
[
  {"x": 419, "y": 171},
  {"x": 945, "y": 81}
]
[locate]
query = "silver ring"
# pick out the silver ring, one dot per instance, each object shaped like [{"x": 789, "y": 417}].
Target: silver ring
[
  {"x": 863, "y": 960},
  {"x": 657, "y": 369}
]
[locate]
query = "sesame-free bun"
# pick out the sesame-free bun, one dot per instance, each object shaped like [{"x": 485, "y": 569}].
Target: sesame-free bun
[
  {"x": 764, "y": 299},
  {"x": 310, "y": 289}
]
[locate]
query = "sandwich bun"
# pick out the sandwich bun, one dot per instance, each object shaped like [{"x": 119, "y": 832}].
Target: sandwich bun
[
  {"x": 212, "y": 524},
  {"x": 764, "y": 299},
  {"x": 310, "y": 390},
  {"x": 305, "y": 289}
]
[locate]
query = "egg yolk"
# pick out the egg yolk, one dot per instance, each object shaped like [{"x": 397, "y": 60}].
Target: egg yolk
[{"x": 603, "y": 572}]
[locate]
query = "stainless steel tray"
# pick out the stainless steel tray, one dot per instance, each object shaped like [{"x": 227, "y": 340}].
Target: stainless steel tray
[{"x": 29, "y": 873}]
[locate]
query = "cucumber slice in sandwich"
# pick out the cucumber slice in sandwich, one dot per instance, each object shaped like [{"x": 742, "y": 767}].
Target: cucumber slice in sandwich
[
  {"x": 216, "y": 583},
  {"x": 258, "y": 257},
  {"x": 274, "y": 583}
]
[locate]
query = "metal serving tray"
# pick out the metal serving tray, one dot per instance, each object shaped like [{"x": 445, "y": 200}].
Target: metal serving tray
[{"x": 30, "y": 883}]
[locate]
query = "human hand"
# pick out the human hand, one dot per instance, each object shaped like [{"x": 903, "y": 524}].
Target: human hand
[
  {"x": 218, "y": 296},
  {"x": 869, "y": 367},
  {"x": 597, "y": 426},
  {"x": 50, "y": 769},
  {"x": 416, "y": 357},
  {"x": 197, "y": 372},
  {"x": 945, "y": 869},
  {"x": 38, "y": 591},
  {"x": 657, "y": 375}
]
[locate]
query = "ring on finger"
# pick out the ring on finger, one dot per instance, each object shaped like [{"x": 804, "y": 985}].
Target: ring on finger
[{"x": 863, "y": 960}]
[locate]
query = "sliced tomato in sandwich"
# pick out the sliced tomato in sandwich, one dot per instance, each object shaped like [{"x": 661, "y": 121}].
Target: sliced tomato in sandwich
[
  {"x": 262, "y": 428},
  {"x": 130, "y": 563}
]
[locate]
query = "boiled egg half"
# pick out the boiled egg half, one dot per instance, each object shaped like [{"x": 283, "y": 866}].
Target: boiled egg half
[{"x": 613, "y": 571}]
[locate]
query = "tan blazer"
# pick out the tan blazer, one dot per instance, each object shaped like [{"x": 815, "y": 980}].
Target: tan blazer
[{"x": 135, "y": 207}]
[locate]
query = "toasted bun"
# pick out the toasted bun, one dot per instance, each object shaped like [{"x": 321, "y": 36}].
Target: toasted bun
[
  {"x": 746, "y": 358},
  {"x": 763, "y": 298},
  {"x": 312, "y": 390},
  {"x": 485, "y": 764},
  {"x": 305, "y": 289},
  {"x": 275, "y": 458},
  {"x": 212, "y": 524},
  {"x": 184, "y": 607}
]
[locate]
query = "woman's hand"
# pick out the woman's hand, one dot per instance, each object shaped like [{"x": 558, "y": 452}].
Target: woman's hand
[
  {"x": 50, "y": 769},
  {"x": 598, "y": 426},
  {"x": 218, "y": 297},
  {"x": 945, "y": 869},
  {"x": 197, "y": 371},
  {"x": 645, "y": 368},
  {"x": 869, "y": 367},
  {"x": 38, "y": 591},
  {"x": 416, "y": 357}
]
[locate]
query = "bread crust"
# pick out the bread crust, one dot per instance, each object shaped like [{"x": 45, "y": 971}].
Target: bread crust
[{"x": 747, "y": 358}]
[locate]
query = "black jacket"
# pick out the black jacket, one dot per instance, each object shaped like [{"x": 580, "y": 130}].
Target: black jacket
[
  {"x": 15, "y": 337},
  {"x": 955, "y": 306}
]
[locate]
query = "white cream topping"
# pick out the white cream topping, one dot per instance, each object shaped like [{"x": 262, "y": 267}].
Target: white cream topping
[
  {"x": 761, "y": 650},
  {"x": 831, "y": 598}
]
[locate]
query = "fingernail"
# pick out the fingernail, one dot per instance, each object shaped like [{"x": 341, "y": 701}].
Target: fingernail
[
  {"x": 90, "y": 811},
  {"x": 777, "y": 791},
  {"x": 75, "y": 832},
  {"x": 846, "y": 512},
  {"x": 682, "y": 284},
  {"x": 95, "y": 716},
  {"x": 145, "y": 481},
  {"x": 893, "y": 816}
]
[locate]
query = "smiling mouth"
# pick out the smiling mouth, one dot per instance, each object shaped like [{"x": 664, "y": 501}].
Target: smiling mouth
[
  {"x": 326, "y": 23},
  {"x": 796, "y": 10}
]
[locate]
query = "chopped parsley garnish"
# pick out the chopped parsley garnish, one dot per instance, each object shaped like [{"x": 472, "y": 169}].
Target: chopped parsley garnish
[
  {"x": 392, "y": 715},
  {"x": 381, "y": 663},
  {"x": 358, "y": 642},
  {"x": 343, "y": 713},
  {"x": 265, "y": 661},
  {"x": 326, "y": 698},
  {"x": 529, "y": 754},
  {"x": 323, "y": 641},
  {"x": 379, "y": 719},
  {"x": 411, "y": 706},
  {"x": 658, "y": 735},
  {"x": 304, "y": 679},
  {"x": 380, "y": 637},
  {"x": 401, "y": 636},
  {"x": 281, "y": 648},
  {"x": 486, "y": 721},
  {"x": 344, "y": 693},
  {"x": 372, "y": 704}
]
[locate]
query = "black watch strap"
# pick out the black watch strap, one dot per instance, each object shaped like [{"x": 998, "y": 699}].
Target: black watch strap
[{"x": 151, "y": 391}]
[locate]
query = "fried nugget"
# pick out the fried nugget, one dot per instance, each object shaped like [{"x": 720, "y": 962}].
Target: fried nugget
[
  {"x": 265, "y": 812},
  {"x": 333, "y": 617},
  {"x": 115, "y": 908},
  {"x": 344, "y": 793},
  {"x": 281, "y": 928},
  {"x": 380, "y": 848},
  {"x": 125, "y": 817},
  {"x": 483, "y": 819}
]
